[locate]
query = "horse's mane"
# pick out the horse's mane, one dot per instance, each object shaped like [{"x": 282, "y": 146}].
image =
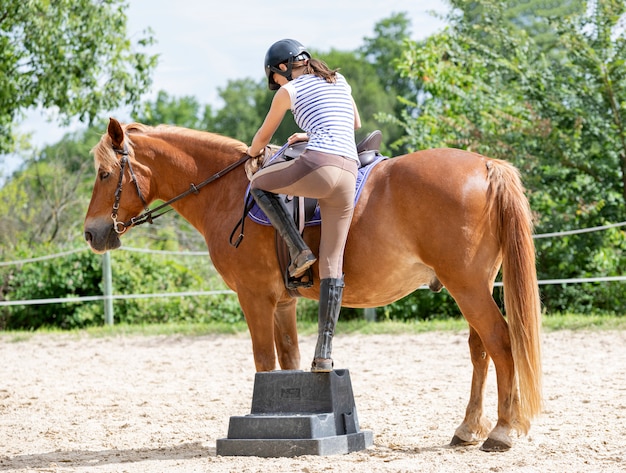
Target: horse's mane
[{"x": 105, "y": 157}]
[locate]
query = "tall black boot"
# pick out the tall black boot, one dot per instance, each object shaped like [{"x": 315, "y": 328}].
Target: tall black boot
[
  {"x": 301, "y": 256},
  {"x": 331, "y": 292}
]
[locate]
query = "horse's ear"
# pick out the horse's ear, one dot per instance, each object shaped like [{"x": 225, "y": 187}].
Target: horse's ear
[{"x": 116, "y": 133}]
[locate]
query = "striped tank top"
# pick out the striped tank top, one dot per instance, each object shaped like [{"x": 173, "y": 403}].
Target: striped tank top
[{"x": 325, "y": 112}]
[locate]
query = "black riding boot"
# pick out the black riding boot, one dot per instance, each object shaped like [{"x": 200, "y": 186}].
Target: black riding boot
[
  {"x": 301, "y": 256},
  {"x": 331, "y": 292}
]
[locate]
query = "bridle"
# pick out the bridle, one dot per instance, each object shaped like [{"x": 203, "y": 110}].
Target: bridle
[
  {"x": 120, "y": 227},
  {"x": 150, "y": 214}
]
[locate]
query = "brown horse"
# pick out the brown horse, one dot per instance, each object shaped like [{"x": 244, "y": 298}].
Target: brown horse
[{"x": 441, "y": 214}]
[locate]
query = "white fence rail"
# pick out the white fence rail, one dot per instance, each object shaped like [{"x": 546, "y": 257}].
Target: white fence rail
[{"x": 108, "y": 297}]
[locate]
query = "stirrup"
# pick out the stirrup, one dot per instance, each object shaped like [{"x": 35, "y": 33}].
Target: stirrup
[
  {"x": 306, "y": 280},
  {"x": 322, "y": 365}
]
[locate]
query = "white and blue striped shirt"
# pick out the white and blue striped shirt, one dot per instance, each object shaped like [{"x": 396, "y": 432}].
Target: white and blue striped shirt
[{"x": 325, "y": 111}]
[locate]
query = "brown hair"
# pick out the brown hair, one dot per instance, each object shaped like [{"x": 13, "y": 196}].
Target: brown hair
[{"x": 320, "y": 69}]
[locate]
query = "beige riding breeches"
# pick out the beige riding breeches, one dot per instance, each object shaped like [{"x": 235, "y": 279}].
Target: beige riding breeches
[{"x": 329, "y": 178}]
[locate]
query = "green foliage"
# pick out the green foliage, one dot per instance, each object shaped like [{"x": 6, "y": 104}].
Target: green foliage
[
  {"x": 80, "y": 274},
  {"x": 421, "y": 305},
  {"x": 135, "y": 273},
  {"x": 383, "y": 53},
  {"x": 490, "y": 87},
  {"x": 180, "y": 111},
  {"x": 245, "y": 104},
  {"x": 368, "y": 91},
  {"x": 70, "y": 55},
  {"x": 45, "y": 203},
  {"x": 540, "y": 85}
]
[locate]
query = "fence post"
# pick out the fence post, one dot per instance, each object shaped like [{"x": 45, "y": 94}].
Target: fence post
[
  {"x": 370, "y": 314},
  {"x": 107, "y": 280}
]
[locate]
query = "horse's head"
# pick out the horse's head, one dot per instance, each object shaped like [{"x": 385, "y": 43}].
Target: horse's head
[{"x": 119, "y": 193}]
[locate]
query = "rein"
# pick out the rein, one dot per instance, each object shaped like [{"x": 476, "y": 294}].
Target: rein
[{"x": 150, "y": 214}]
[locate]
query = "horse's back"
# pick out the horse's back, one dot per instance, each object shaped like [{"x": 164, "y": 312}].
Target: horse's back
[
  {"x": 428, "y": 188},
  {"x": 419, "y": 215},
  {"x": 447, "y": 170}
]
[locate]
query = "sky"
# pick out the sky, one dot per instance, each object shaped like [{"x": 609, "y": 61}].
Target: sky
[{"x": 204, "y": 43}]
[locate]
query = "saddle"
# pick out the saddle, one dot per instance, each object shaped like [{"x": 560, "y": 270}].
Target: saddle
[
  {"x": 304, "y": 209},
  {"x": 368, "y": 150}
]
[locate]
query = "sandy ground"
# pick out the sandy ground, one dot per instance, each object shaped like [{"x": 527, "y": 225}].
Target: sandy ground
[{"x": 158, "y": 404}]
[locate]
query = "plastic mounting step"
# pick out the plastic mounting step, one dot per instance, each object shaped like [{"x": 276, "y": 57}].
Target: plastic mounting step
[{"x": 297, "y": 413}]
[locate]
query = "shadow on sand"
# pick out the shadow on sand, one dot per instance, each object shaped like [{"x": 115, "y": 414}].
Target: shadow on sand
[{"x": 80, "y": 458}]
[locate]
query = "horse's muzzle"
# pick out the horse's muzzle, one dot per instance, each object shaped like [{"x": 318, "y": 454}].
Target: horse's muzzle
[{"x": 102, "y": 239}]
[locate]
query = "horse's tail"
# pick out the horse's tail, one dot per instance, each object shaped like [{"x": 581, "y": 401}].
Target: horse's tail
[{"x": 521, "y": 291}]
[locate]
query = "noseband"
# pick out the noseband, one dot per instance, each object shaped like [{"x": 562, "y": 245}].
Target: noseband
[{"x": 150, "y": 214}]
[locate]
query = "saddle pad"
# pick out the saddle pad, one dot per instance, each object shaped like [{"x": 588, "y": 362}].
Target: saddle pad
[{"x": 257, "y": 215}]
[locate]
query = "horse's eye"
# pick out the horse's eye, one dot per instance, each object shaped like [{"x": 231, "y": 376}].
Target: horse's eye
[{"x": 104, "y": 175}]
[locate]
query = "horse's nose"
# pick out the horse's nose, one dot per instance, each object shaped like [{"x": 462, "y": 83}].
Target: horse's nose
[{"x": 101, "y": 238}]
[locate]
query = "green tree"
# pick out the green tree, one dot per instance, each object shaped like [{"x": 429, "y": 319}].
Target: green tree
[
  {"x": 181, "y": 111},
  {"x": 549, "y": 115},
  {"x": 383, "y": 52},
  {"x": 245, "y": 104},
  {"x": 532, "y": 16},
  {"x": 385, "y": 49},
  {"x": 492, "y": 89},
  {"x": 70, "y": 55},
  {"x": 368, "y": 91},
  {"x": 45, "y": 202}
]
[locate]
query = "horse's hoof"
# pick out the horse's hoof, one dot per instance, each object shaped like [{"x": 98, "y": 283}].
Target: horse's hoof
[
  {"x": 322, "y": 365},
  {"x": 492, "y": 445},
  {"x": 459, "y": 442}
]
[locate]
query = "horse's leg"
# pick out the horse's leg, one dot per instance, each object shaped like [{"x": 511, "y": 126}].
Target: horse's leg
[
  {"x": 286, "y": 335},
  {"x": 483, "y": 315},
  {"x": 475, "y": 426},
  {"x": 259, "y": 313}
]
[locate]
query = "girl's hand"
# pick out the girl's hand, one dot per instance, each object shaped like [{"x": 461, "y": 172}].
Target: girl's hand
[{"x": 297, "y": 137}]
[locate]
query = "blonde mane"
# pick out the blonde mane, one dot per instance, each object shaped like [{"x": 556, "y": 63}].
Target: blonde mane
[{"x": 105, "y": 157}]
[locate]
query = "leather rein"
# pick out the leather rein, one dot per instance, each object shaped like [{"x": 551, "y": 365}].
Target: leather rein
[{"x": 150, "y": 214}]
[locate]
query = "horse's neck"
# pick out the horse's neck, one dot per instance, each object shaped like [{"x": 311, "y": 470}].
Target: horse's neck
[{"x": 182, "y": 171}]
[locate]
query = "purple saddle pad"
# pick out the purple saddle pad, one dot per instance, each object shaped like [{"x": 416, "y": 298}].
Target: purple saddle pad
[{"x": 257, "y": 215}]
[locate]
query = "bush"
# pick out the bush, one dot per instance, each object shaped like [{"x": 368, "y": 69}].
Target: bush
[
  {"x": 77, "y": 274},
  {"x": 594, "y": 254},
  {"x": 80, "y": 274}
]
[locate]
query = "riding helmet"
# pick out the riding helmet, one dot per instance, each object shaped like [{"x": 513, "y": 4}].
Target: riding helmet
[{"x": 285, "y": 51}]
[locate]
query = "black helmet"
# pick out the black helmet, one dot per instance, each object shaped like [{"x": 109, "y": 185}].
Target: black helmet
[{"x": 285, "y": 51}]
